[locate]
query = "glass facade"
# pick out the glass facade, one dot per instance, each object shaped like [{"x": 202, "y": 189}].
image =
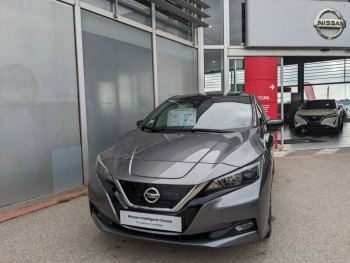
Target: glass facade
[
  {"x": 236, "y": 75},
  {"x": 214, "y": 35},
  {"x": 40, "y": 151},
  {"x": 182, "y": 76},
  {"x": 213, "y": 70},
  {"x": 290, "y": 75},
  {"x": 136, "y": 10},
  {"x": 332, "y": 71},
  {"x": 40, "y": 131},
  {"x": 237, "y": 22},
  {"x": 329, "y": 79},
  {"x": 107, "y": 5},
  {"x": 118, "y": 80},
  {"x": 173, "y": 24}
]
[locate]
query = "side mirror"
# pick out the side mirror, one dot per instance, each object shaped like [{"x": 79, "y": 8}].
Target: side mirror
[
  {"x": 138, "y": 123},
  {"x": 339, "y": 107},
  {"x": 274, "y": 124},
  {"x": 346, "y": 108}
]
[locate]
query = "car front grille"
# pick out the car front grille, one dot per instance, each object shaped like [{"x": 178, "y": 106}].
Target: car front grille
[
  {"x": 314, "y": 118},
  {"x": 170, "y": 195}
]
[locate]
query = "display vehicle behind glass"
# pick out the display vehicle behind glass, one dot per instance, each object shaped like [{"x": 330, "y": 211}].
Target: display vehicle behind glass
[{"x": 320, "y": 114}]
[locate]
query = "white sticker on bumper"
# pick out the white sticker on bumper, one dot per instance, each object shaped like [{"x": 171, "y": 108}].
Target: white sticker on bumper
[{"x": 152, "y": 221}]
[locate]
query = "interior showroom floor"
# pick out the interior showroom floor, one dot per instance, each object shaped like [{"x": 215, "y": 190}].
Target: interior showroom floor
[{"x": 314, "y": 139}]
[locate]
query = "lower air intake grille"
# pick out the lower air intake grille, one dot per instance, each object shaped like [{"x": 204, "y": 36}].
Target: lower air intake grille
[
  {"x": 170, "y": 195},
  {"x": 314, "y": 118}
]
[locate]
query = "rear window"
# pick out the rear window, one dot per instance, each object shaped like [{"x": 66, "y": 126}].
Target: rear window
[{"x": 319, "y": 104}]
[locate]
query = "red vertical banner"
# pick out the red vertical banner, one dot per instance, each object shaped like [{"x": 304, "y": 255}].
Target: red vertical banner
[{"x": 261, "y": 80}]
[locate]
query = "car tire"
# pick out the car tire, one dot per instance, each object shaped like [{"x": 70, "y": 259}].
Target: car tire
[
  {"x": 298, "y": 130},
  {"x": 341, "y": 126},
  {"x": 269, "y": 222},
  {"x": 336, "y": 130}
]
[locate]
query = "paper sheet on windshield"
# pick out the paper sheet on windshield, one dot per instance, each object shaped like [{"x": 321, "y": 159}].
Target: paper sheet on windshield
[{"x": 182, "y": 117}]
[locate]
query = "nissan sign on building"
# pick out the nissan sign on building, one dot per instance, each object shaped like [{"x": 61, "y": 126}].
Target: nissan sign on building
[
  {"x": 322, "y": 23},
  {"x": 297, "y": 24}
]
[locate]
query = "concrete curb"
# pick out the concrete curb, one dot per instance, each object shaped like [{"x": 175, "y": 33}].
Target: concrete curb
[{"x": 36, "y": 207}]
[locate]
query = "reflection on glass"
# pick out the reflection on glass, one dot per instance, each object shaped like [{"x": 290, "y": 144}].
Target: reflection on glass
[
  {"x": 290, "y": 75},
  {"x": 237, "y": 22},
  {"x": 136, "y": 10},
  {"x": 236, "y": 75},
  {"x": 214, "y": 35},
  {"x": 287, "y": 100},
  {"x": 40, "y": 151},
  {"x": 172, "y": 23},
  {"x": 331, "y": 91},
  {"x": 180, "y": 76},
  {"x": 213, "y": 70},
  {"x": 118, "y": 80},
  {"x": 107, "y": 5},
  {"x": 326, "y": 71}
]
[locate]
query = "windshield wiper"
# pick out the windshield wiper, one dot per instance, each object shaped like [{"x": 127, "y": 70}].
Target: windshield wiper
[
  {"x": 159, "y": 130},
  {"x": 152, "y": 129},
  {"x": 209, "y": 130}
]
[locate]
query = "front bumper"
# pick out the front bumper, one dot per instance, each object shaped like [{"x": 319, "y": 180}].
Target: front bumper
[
  {"x": 324, "y": 123},
  {"x": 194, "y": 240},
  {"x": 207, "y": 221}
]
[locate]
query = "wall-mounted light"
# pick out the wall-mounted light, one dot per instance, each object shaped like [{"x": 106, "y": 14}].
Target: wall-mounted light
[{"x": 213, "y": 61}]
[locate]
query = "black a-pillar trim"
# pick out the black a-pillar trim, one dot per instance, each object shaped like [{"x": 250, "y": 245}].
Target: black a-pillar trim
[{"x": 301, "y": 78}]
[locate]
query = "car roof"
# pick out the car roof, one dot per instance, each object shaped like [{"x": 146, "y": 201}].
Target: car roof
[
  {"x": 213, "y": 94},
  {"x": 322, "y": 99}
]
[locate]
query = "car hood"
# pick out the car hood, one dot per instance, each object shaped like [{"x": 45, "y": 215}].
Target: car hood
[
  {"x": 176, "y": 155},
  {"x": 316, "y": 112}
]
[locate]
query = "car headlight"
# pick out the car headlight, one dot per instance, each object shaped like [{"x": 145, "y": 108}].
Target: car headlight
[
  {"x": 246, "y": 175},
  {"x": 102, "y": 170},
  {"x": 297, "y": 116},
  {"x": 333, "y": 115}
]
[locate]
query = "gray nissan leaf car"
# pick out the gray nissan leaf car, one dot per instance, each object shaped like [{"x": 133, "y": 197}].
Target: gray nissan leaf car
[{"x": 197, "y": 171}]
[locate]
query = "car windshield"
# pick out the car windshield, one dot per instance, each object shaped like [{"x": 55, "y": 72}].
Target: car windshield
[
  {"x": 319, "y": 104},
  {"x": 211, "y": 113}
]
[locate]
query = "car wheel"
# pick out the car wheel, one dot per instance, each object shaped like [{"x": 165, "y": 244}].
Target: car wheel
[
  {"x": 336, "y": 130},
  {"x": 341, "y": 126},
  {"x": 298, "y": 130},
  {"x": 269, "y": 222}
]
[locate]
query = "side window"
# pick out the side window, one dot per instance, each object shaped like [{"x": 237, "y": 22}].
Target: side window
[
  {"x": 261, "y": 119},
  {"x": 258, "y": 114},
  {"x": 261, "y": 115}
]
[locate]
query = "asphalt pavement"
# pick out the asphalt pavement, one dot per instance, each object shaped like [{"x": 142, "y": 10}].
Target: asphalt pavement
[{"x": 311, "y": 223}]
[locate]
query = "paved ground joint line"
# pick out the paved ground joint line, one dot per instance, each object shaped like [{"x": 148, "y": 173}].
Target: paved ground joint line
[
  {"x": 327, "y": 151},
  {"x": 282, "y": 153}
]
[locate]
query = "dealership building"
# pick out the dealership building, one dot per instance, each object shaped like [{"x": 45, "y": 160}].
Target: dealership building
[{"x": 76, "y": 75}]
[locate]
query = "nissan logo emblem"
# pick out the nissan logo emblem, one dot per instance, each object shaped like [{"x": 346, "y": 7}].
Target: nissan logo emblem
[
  {"x": 326, "y": 23},
  {"x": 151, "y": 195}
]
